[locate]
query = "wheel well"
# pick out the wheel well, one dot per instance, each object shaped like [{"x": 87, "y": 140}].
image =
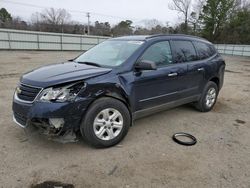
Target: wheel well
[
  {"x": 216, "y": 80},
  {"x": 119, "y": 98}
]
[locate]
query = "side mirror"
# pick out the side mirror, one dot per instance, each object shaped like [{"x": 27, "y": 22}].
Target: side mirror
[{"x": 145, "y": 65}]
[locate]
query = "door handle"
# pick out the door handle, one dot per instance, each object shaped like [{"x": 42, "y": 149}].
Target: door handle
[
  {"x": 200, "y": 69},
  {"x": 172, "y": 74}
]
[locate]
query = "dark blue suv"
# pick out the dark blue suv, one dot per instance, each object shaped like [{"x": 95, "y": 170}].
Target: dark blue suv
[{"x": 102, "y": 91}]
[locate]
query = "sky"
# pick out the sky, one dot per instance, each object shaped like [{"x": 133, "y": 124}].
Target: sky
[{"x": 112, "y": 11}]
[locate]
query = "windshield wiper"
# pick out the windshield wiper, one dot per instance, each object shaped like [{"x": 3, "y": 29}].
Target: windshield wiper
[{"x": 89, "y": 63}]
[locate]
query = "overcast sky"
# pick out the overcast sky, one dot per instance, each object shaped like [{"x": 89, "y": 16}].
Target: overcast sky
[{"x": 112, "y": 11}]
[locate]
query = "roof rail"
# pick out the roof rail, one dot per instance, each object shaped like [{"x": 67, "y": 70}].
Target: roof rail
[
  {"x": 156, "y": 35},
  {"x": 162, "y": 35}
]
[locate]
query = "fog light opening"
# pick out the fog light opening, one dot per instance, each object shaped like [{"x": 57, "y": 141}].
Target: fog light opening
[{"x": 56, "y": 122}]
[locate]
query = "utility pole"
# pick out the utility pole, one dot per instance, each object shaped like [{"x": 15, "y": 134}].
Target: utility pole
[{"x": 88, "y": 15}]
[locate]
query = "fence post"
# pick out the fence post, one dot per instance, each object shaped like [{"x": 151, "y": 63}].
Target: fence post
[
  {"x": 243, "y": 50},
  {"x": 81, "y": 43},
  {"x": 38, "y": 43},
  {"x": 61, "y": 42},
  {"x": 8, "y": 33}
]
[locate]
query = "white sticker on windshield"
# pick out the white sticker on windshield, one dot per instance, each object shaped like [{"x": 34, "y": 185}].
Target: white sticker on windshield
[{"x": 135, "y": 42}]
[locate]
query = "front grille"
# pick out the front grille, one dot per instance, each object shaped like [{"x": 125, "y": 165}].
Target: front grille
[
  {"x": 20, "y": 118},
  {"x": 27, "y": 93}
]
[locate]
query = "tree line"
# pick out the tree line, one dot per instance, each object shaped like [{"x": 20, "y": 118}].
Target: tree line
[{"x": 220, "y": 21}]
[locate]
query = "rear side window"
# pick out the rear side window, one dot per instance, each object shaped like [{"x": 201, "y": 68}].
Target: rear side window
[
  {"x": 184, "y": 51},
  {"x": 204, "y": 50},
  {"x": 160, "y": 53}
]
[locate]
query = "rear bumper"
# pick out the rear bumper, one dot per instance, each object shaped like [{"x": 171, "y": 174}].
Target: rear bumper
[{"x": 39, "y": 114}]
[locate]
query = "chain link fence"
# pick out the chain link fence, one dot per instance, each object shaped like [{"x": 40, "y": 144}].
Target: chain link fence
[
  {"x": 32, "y": 40},
  {"x": 233, "y": 49}
]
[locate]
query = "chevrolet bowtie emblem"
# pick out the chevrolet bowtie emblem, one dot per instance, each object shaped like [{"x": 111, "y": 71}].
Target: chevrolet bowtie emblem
[{"x": 18, "y": 90}]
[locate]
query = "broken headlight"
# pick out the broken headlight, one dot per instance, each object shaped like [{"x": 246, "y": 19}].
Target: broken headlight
[{"x": 61, "y": 94}]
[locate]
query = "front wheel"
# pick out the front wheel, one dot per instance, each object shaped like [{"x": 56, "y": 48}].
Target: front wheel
[
  {"x": 208, "y": 97},
  {"x": 106, "y": 122}
]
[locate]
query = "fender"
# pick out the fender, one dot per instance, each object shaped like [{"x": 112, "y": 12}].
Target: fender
[
  {"x": 115, "y": 90},
  {"x": 219, "y": 77}
]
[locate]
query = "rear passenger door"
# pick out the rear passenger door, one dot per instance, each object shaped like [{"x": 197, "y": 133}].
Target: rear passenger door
[
  {"x": 185, "y": 53},
  {"x": 205, "y": 62}
]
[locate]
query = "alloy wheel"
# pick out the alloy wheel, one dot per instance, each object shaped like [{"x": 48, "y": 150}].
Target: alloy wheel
[
  {"x": 210, "y": 97},
  {"x": 108, "y": 124}
]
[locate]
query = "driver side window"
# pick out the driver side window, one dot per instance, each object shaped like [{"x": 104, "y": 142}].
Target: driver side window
[{"x": 160, "y": 53}]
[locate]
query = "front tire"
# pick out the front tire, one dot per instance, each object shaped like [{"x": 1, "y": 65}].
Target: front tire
[
  {"x": 208, "y": 97},
  {"x": 106, "y": 123}
]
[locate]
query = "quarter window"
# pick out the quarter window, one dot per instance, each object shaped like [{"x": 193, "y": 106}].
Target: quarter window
[
  {"x": 184, "y": 51},
  {"x": 160, "y": 53},
  {"x": 204, "y": 50}
]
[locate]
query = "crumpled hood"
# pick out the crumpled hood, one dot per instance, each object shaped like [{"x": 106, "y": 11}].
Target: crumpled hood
[{"x": 61, "y": 73}]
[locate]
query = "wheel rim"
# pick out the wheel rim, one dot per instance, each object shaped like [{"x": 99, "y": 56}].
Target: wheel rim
[
  {"x": 210, "y": 97},
  {"x": 108, "y": 124}
]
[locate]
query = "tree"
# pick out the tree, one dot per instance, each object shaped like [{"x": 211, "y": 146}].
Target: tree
[
  {"x": 214, "y": 16},
  {"x": 183, "y": 7},
  {"x": 123, "y": 28},
  {"x": 150, "y": 23},
  {"x": 101, "y": 28},
  {"x": 5, "y": 16},
  {"x": 159, "y": 30},
  {"x": 139, "y": 30},
  {"x": 181, "y": 28},
  {"x": 194, "y": 18},
  {"x": 18, "y": 23},
  {"x": 238, "y": 29},
  {"x": 55, "y": 16},
  {"x": 51, "y": 19},
  {"x": 36, "y": 21}
]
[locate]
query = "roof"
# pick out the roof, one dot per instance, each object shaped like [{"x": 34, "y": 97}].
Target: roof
[{"x": 149, "y": 37}]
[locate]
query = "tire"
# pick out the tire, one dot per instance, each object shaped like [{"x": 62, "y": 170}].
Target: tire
[
  {"x": 106, "y": 123},
  {"x": 203, "y": 105}
]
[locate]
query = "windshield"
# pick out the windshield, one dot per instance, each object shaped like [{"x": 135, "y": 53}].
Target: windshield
[{"x": 110, "y": 53}]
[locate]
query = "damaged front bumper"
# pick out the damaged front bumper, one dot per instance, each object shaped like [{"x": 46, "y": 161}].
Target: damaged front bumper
[{"x": 55, "y": 120}]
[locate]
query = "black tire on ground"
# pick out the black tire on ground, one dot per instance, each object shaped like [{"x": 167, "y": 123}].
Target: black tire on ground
[
  {"x": 87, "y": 129},
  {"x": 201, "y": 104}
]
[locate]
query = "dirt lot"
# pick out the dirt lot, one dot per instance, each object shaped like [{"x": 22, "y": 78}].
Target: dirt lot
[{"x": 147, "y": 157}]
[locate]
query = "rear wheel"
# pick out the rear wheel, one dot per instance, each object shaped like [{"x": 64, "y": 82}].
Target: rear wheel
[
  {"x": 106, "y": 122},
  {"x": 208, "y": 97}
]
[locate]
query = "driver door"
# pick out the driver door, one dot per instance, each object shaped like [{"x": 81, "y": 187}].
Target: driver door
[{"x": 156, "y": 87}]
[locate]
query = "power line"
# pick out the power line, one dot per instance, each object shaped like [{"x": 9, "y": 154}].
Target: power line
[
  {"x": 24, "y": 4},
  {"x": 69, "y": 10}
]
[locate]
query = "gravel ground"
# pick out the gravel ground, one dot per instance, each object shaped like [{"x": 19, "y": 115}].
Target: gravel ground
[{"x": 147, "y": 157}]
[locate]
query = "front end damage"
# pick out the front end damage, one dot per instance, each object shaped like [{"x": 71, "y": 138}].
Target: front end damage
[
  {"x": 57, "y": 121},
  {"x": 53, "y": 129}
]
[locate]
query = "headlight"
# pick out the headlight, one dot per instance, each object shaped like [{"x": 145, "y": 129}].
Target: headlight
[{"x": 61, "y": 94}]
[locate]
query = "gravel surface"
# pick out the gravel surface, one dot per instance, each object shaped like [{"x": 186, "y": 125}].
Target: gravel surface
[{"x": 147, "y": 157}]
